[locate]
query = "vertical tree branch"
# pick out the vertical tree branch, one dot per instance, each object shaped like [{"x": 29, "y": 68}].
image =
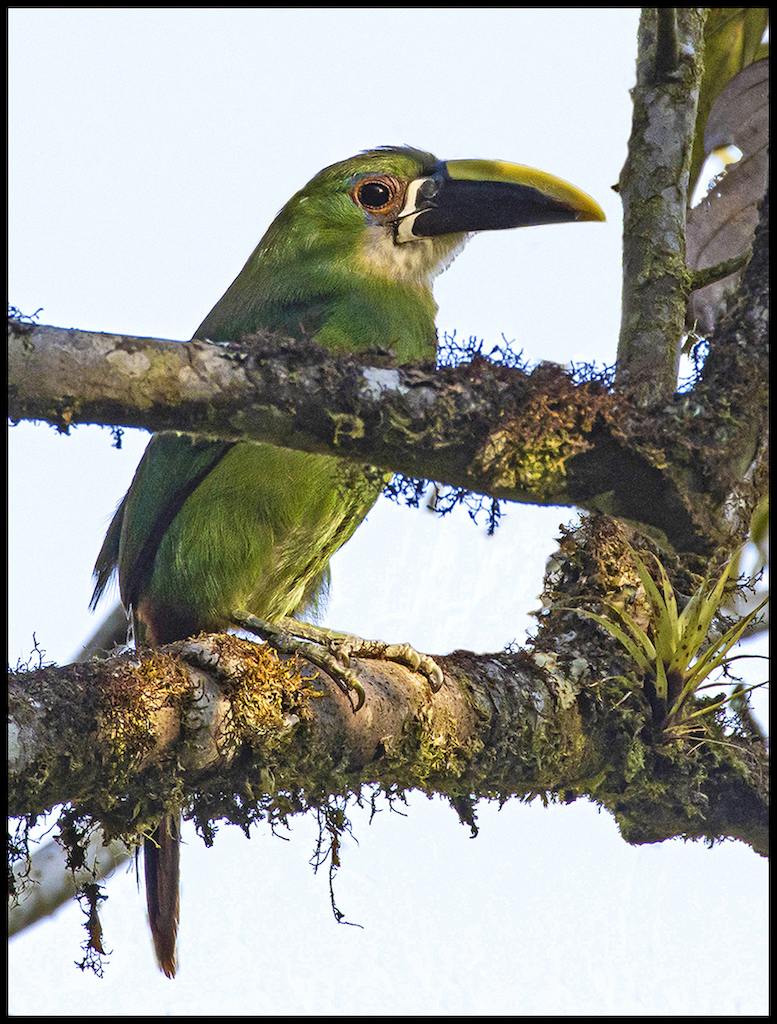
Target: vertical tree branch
[
  {"x": 667, "y": 54},
  {"x": 654, "y": 186}
]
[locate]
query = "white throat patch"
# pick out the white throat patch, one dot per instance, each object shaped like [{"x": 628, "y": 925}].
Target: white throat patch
[{"x": 415, "y": 261}]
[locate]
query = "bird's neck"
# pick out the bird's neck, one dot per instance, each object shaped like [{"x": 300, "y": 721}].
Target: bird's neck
[{"x": 346, "y": 305}]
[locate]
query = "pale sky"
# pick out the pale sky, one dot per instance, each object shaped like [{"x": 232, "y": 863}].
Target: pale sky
[{"x": 149, "y": 150}]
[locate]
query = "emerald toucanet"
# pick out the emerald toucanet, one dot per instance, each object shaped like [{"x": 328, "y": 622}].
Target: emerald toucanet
[{"x": 210, "y": 529}]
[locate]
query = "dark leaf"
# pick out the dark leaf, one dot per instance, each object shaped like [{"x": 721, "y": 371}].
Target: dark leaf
[
  {"x": 732, "y": 40},
  {"x": 722, "y": 225},
  {"x": 740, "y": 115}
]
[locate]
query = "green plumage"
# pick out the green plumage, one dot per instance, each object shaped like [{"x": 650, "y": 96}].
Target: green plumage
[
  {"x": 256, "y": 533},
  {"x": 208, "y": 528}
]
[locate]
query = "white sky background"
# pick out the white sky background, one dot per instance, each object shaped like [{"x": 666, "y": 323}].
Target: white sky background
[{"x": 149, "y": 150}]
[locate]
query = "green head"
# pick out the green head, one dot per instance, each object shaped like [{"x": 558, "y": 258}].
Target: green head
[{"x": 351, "y": 258}]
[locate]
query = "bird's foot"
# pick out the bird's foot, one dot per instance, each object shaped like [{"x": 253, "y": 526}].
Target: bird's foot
[
  {"x": 346, "y": 645},
  {"x": 332, "y": 651},
  {"x": 292, "y": 640}
]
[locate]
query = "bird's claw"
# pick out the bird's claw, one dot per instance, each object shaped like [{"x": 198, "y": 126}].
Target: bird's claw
[
  {"x": 345, "y": 645},
  {"x": 432, "y": 671},
  {"x": 332, "y": 651},
  {"x": 292, "y": 637},
  {"x": 338, "y": 668},
  {"x": 404, "y": 654}
]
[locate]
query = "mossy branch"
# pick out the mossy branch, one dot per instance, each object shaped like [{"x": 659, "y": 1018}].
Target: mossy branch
[
  {"x": 540, "y": 437},
  {"x": 654, "y": 186},
  {"x": 709, "y": 275},
  {"x": 224, "y": 727}
]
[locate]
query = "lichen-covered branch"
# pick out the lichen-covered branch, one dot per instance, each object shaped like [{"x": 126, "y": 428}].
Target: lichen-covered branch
[
  {"x": 654, "y": 186},
  {"x": 483, "y": 425},
  {"x": 223, "y": 728},
  {"x": 539, "y": 437},
  {"x": 223, "y": 714}
]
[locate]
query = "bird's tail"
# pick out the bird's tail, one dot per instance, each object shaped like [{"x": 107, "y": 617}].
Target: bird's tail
[{"x": 161, "y": 855}]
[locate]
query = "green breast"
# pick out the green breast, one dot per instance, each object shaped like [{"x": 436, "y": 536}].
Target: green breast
[{"x": 256, "y": 534}]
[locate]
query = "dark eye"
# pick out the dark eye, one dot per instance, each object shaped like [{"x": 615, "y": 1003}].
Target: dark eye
[
  {"x": 381, "y": 195},
  {"x": 374, "y": 194}
]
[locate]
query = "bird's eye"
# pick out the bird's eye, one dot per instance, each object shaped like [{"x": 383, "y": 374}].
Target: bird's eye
[{"x": 380, "y": 195}]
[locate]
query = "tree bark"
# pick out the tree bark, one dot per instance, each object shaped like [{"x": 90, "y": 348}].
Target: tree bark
[
  {"x": 247, "y": 736},
  {"x": 655, "y": 188},
  {"x": 539, "y": 437}
]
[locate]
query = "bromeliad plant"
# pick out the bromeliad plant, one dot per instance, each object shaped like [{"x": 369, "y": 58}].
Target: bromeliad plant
[{"x": 672, "y": 654}]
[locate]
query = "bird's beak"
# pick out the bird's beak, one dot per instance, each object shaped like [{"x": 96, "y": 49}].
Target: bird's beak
[{"x": 484, "y": 195}]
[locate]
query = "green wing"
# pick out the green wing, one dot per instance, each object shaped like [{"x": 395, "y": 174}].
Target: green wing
[{"x": 172, "y": 467}]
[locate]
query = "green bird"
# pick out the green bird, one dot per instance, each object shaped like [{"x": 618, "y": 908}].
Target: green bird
[{"x": 212, "y": 530}]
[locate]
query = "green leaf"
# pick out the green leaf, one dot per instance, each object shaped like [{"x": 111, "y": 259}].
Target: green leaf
[
  {"x": 718, "y": 653},
  {"x": 698, "y": 614},
  {"x": 732, "y": 40},
  {"x": 718, "y": 704},
  {"x": 669, "y": 598},
  {"x": 662, "y": 684},
  {"x": 715, "y": 656},
  {"x": 722, "y": 226},
  {"x": 664, "y": 632},
  {"x": 642, "y": 656}
]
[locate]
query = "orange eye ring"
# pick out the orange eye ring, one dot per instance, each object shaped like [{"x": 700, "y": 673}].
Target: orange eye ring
[{"x": 381, "y": 195}]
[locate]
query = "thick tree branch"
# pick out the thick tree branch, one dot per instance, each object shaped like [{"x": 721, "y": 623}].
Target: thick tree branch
[
  {"x": 654, "y": 186},
  {"x": 538, "y": 437},
  {"x": 221, "y": 727}
]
